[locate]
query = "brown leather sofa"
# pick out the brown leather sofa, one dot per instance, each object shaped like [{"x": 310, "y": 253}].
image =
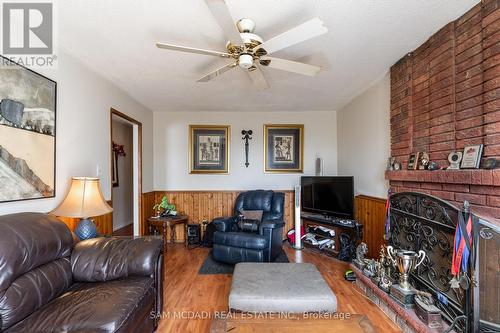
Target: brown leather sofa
[{"x": 50, "y": 282}]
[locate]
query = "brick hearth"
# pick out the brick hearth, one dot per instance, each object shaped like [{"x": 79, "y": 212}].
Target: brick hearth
[
  {"x": 445, "y": 95},
  {"x": 407, "y": 320}
]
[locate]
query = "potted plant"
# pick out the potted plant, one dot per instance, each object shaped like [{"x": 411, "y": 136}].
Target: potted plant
[{"x": 168, "y": 209}]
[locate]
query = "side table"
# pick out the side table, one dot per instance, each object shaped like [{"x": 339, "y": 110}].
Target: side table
[{"x": 163, "y": 222}]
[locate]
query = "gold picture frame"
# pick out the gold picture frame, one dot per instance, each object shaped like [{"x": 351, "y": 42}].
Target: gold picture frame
[
  {"x": 283, "y": 148},
  {"x": 209, "y": 149}
]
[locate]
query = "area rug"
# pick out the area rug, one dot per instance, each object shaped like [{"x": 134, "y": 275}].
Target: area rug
[{"x": 210, "y": 266}]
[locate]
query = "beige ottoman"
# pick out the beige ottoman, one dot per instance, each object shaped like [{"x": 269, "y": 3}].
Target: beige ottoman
[{"x": 280, "y": 287}]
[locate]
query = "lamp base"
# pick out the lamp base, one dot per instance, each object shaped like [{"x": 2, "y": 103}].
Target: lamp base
[{"x": 86, "y": 229}]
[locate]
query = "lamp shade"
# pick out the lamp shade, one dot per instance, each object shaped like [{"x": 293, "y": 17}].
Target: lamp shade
[{"x": 83, "y": 200}]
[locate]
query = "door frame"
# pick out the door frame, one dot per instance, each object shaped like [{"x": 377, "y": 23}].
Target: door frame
[{"x": 114, "y": 112}]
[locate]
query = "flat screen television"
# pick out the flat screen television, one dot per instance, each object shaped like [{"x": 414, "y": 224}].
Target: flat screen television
[{"x": 332, "y": 196}]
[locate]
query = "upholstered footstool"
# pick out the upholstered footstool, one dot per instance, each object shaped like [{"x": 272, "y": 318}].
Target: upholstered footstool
[{"x": 280, "y": 287}]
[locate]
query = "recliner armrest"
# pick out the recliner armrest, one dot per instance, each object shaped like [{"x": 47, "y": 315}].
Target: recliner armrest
[
  {"x": 271, "y": 224},
  {"x": 104, "y": 259},
  {"x": 223, "y": 224}
]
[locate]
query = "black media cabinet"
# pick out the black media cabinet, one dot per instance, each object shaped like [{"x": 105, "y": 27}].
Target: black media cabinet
[{"x": 341, "y": 226}]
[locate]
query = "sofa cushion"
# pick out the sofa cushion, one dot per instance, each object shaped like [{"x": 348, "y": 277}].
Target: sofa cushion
[
  {"x": 33, "y": 290},
  {"x": 92, "y": 307},
  {"x": 252, "y": 214},
  {"x": 241, "y": 239},
  {"x": 29, "y": 240},
  {"x": 104, "y": 259},
  {"x": 248, "y": 225},
  {"x": 32, "y": 268}
]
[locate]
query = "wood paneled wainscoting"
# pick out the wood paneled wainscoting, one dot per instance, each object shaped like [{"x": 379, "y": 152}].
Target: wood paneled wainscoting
[
  {"x": 370, "y": 212},
  {"x": 200, "y": 205}
]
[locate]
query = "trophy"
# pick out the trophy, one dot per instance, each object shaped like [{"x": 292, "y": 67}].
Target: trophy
[
  {"x": 384, "y": 274},
  {"x": 406, "y": 262}
]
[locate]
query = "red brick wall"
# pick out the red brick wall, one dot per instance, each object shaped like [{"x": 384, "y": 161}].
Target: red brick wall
[{"x": 445, "y": 95}]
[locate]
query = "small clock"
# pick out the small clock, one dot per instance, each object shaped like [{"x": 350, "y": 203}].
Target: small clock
[{"x": 454, "y": 158}]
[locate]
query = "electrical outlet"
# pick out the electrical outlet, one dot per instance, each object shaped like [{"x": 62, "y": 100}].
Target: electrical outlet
[{"x": 99, "y": 170}]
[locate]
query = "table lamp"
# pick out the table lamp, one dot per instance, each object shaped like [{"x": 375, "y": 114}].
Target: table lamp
[{"x": 84, "y": 200}]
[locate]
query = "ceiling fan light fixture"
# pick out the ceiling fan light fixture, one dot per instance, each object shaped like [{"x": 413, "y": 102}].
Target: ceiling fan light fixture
[
  {"x": 245, "y": 25},
  {"x": 245, "y": 60}
]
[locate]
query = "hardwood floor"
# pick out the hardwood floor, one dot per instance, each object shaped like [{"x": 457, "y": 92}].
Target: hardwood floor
[
  {"x": 127, "y": 230},
  {"x": 188, "y": 296}
]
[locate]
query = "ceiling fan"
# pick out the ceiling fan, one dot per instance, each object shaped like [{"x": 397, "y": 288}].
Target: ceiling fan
[{"x": 248, "y": 51}]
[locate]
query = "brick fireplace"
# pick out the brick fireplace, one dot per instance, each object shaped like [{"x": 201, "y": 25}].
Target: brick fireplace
[{"x": 445, "y": 95}]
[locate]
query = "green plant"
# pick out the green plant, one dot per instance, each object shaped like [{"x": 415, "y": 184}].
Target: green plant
[{"x": 164, "y": 205}]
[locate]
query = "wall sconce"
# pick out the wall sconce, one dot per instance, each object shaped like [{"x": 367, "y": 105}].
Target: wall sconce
[{"x": 246, "y": 136}]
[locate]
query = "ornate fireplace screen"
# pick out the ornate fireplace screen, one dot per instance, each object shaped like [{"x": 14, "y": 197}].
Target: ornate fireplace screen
[{"x": 423, "y": 222}]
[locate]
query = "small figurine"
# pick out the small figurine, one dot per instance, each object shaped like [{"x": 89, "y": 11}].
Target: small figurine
[
  {"x": 360, "y": 260},
  {"x": 424, "y": 161},
  {"x": 385, "y": 283},
  {"x": 370, "y": 269}
]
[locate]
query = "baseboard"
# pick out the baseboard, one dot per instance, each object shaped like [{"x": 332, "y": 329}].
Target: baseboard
[{"x": 122, "y": 226}]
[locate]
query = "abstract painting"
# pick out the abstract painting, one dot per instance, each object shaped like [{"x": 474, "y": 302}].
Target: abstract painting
[
  {"x": 209, "y": 148},
  {"x": 27, "y": 133}
]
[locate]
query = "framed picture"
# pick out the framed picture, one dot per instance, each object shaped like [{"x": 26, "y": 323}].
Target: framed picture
[
  {"x": 27, "y": 133},
  {"x": 413, "y": 161},
  {"x": 472, "y": 157},
  {"x": 283, "y": 148},
  {"x": 209, "y": 148}
]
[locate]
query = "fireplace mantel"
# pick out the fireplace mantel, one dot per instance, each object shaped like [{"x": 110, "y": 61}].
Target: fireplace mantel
[{"x": 466, "y": 177}]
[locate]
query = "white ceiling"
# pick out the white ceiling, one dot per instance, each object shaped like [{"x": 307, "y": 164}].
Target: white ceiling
[{"x": 116, "y": 38}]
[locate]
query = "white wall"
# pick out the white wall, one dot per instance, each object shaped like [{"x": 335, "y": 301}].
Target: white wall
[
  {"x": 171, "y": 149},
  {"x": 123, "y": 203},
  {"x": 364, "y": 139},
  {"x": 84, "y": 99}
]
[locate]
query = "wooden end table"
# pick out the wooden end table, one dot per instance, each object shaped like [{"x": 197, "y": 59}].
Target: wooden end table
[{"x": 163, "y": 222}]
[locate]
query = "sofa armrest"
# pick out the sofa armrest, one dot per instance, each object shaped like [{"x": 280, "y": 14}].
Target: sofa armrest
[
  {"x": 104, "y": 259},
  {"x": 223, "y": 224}
]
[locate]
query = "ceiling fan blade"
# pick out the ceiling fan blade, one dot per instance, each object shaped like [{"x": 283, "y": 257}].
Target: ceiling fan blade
[
  {"x": 258, "y": 78},
  {"x": 292, "y": 66},
  {"x": 300, "y": 33},
  {"x": 221, "y": 13},
  {"x": 212, "y": 75},
  {"x": 192, "y": 50}
]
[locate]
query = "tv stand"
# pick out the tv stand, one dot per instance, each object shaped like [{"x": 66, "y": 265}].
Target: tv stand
[{"x": 341, "y": 226}]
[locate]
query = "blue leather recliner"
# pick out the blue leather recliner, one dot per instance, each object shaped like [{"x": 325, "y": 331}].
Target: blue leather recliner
[{"x": 233, "y": 245}]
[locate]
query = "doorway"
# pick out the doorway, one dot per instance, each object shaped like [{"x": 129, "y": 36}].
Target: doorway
[{"x": 126, "y": 174}]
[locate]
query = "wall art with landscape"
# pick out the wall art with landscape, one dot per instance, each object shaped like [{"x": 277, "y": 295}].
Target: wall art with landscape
[{"x": 27, "y": 133}]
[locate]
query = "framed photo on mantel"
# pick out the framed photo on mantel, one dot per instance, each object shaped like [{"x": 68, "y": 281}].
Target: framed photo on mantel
[
  {"x": 472, "y": 157},
  {"x": 209, "y": 148},
  {"x": 283, "y": 148}
]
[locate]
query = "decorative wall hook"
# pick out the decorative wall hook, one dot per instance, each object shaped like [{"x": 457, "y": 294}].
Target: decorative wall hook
[{"x": 246, "y": 136}]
